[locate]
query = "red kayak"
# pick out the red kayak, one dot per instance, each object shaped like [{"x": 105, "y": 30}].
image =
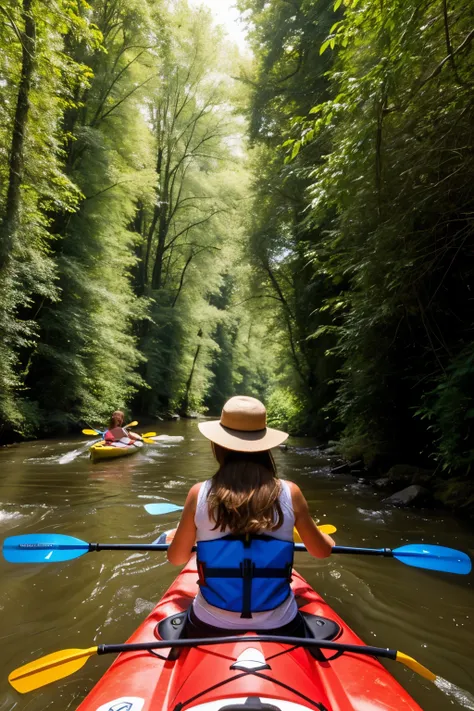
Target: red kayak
[{"x": 245, "y": 675}]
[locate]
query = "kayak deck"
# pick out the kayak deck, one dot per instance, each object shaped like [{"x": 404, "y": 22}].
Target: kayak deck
[
  {"x": 270, "y": 676},
  {"x": 101, "y": 450}
]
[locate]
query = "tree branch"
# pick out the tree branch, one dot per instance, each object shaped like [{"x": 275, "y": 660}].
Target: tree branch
[
  {"x": 110, "y": 187},
  {"x": 289, "y": 317},
  {"x": 185, "y": 230},
  {"x": 115, "y": 106},
  {"x": 466, "y": 41},
  {"x": 14, "y": 26},
  {"x": 449, "y": 47},
  {"x": 107, "y": 92}
]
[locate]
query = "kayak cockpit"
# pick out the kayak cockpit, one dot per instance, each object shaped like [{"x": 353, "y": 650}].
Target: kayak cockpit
[
  {"x": 252, "y": 703},
  {"x": 317, "y": 627}
]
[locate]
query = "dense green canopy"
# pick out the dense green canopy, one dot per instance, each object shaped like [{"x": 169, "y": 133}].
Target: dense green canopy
[
  {"x": 124, "y": 182},
  {"x": 364, "y": 114}
]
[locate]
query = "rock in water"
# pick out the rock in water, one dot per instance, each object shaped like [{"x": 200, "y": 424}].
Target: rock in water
[{"x": 412, "y": 495}]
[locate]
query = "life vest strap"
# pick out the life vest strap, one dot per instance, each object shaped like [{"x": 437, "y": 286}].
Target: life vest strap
[
  {"x": 247, "y": 570},
  {"x": 247, "y": 538},
  {"x": 241, "y": 572}
]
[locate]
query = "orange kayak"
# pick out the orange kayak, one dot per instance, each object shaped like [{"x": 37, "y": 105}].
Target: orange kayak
[{"x": 245, "y": 675}]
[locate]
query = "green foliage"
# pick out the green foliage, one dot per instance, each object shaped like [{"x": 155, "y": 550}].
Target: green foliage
[
  {"x": 189, "y": 224},
  {"x": 122, "y": 184},
  {"x": 291, "y": 279},
  {"x": 37, "y": 81},
  {"x": 286, "y": 411},
  {"x": 449, "y": 410},
  {"x": 395, "y": 180},
  {"x": 367, "y": 216},
  {"x": 87, "y": 336}
]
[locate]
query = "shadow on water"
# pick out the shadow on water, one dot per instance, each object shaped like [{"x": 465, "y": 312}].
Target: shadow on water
[{"x": 102, "y": 597}]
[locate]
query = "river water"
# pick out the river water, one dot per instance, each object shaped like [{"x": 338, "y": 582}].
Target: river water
[{"x": 52, "y": 486}]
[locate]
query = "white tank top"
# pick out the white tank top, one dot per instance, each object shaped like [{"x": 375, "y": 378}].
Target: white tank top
[{"x": 211, "y": 615}]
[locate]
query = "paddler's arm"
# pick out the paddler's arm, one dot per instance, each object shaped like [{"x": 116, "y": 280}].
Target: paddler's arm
[
  {"x": 184, "y": 539},
  {"x": 132, "y": 435},
  {"x": 317, "y": 543}
]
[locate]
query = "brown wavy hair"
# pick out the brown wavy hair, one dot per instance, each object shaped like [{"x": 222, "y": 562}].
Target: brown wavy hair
[
  {"x": 243, "y": 497},
  {"x": 117, "y": 419}
]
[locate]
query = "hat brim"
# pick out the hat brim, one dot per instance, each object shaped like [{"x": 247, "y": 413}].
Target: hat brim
[{"x": 241, "y": 441}]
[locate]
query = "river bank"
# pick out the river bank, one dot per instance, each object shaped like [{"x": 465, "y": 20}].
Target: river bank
[{"x": 402, "y": 484}]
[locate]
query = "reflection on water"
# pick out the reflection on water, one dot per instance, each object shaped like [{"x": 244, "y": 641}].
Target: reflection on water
[{"x": 52, "y": 486}]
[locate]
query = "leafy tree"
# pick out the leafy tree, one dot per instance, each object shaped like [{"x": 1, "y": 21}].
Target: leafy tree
[
  {"x": 367, "y": 220},
  {"x": 122, "y": 181},
  {"x": 289, "y": 75},
  {"x": 37, "y": 80},
  {"x": 400, "y": 124},
  {"x": 192, "y": 212}
]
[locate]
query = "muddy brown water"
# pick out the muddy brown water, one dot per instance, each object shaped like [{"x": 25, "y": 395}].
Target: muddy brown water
[{"x": 52, "y": 486}]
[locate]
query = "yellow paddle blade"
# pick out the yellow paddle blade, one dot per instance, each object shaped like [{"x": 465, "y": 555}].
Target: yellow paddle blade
[
  {"x": 148, "y": 441},
  {"x": 132, "y": 424},
  {"x": 149, "y": 434},
  {"x": 416, "y": 666},
  {"x": 94, "y": 433},
  {"x": 325, "y": 528},
  {"x": 49, "y": 668}
]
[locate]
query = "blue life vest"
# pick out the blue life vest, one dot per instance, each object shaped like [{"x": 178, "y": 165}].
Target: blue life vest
[{"x": 245, "y": 574}]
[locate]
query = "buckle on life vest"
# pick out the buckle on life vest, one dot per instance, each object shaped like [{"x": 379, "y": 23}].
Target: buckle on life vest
[
  {"x": 247, "y": 568},
  {"x": 201, "y": 573}
]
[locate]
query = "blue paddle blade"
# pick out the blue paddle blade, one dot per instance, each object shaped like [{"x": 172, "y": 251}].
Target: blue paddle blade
[
  {"x": 43, "y": 548},
  {"x": 431, "y": 557},
  {"x": 162, "y": 508}
]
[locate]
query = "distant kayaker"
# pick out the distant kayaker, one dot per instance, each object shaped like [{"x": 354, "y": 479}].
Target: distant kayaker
[
  {"x": 117, "y": 432},
  {"x": 242, "y": 520}
]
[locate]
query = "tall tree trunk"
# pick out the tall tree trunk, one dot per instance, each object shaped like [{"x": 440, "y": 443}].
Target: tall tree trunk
[
  {"x": 289, "y": 318},
  {"x": 184, "y": 410},
  {"x": 156, "y": 216},
  {"x": 163, "y": 226},
  {"x": 16, "y": 162},
  {"x": 159, "y": 256}
]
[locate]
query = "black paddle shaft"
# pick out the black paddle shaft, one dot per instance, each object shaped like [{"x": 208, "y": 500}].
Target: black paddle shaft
[
  {"x": 386, "y": 552},
  {"x": 293, "y": 641},
  {"x": 129, "y": 546}
]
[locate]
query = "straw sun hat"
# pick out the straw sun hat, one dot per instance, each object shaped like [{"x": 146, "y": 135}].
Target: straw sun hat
[{"x": 243, "y": 427}]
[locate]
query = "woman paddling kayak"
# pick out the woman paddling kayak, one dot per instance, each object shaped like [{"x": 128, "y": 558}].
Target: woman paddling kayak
[
  {"x": 242, "y": 520},
  {"x": 117, "y": 432},
  {"x": 118, "y": 441}
]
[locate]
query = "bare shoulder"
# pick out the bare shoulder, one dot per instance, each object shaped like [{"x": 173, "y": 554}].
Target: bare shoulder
[
  {"x": 297, "y": 496},
  {"x": 193, "y": 493},
  {"x": 294, "y": 488}
]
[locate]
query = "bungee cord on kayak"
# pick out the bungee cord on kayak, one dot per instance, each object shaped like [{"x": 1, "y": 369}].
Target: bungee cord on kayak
[{"x": 58, "y": 665}]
